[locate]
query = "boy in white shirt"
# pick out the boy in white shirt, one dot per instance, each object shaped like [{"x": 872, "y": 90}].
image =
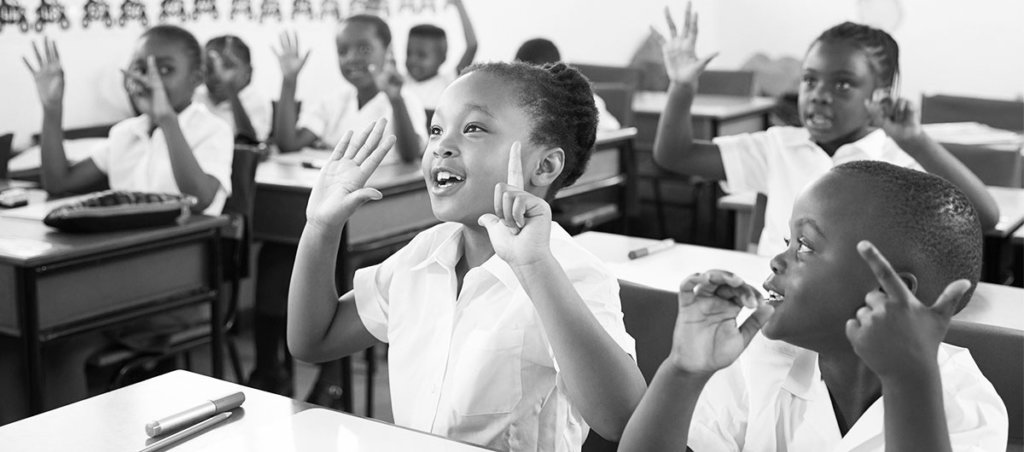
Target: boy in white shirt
[
  {"x": 228, "y": 92},
  {"x": 427, "y": 50}
]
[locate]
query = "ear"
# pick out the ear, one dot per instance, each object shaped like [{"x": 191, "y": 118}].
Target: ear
[
  {"x": 910, "y": 280},
  {"x": 549, "y": 166}
]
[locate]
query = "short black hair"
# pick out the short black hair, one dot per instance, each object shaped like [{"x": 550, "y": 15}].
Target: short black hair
[
  {"x": 932, "y": 217},
  {"x": 538, "y": 51},
  {"x": 174, "y": 33},
  {"x": 231, "y": 44},
  {"x": 427, "y": 31},
  {"x": 880, "y": 47},
  {"x": 383, "y": 31},
  {"x": 561, "y": 105}
]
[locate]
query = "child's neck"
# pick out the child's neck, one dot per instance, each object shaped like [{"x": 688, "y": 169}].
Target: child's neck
[
  {"x": 851, "y": 384},
  {"x": 364, "y": 94},
  {"x": 476, "y": 249},
  {"x": 831, "y": 147}
]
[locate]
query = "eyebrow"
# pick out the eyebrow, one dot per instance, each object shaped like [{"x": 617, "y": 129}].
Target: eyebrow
[
  {"x": 480, "y": 108},
  {"x": 810, "y": 223}
]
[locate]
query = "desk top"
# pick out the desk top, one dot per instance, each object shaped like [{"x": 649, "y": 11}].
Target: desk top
[
  {"x": 265, "y": 422},
  {"x": 704, "y": 105},
  {"x": 992, "y": 304}
]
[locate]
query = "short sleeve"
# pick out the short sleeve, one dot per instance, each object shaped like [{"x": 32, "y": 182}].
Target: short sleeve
[
  {"x": 600, "y": 292},
  {"x": 745, "y": 159},
  {"x": 720, "y": 417},
  {"x": 260, "y": 116},
  {"x": 975, "y": 414},
  {"x": 372, "y": 287},
  {"x": 214, "y": 152},
  {"x": 315, "y": 117},
  {"x": 100, "y": 156}
]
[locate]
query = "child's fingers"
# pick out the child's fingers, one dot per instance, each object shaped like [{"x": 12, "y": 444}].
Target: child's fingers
[
  {"x": 883, "y": 271},
  {"x": 515, "y": 166},
  {"x": 357, "y": 142},
  {"x": 692, "y": 29},
  {"x": 376, "y": 134},
  {"x": 29, "y": 66},
  {"x": 949, "y": 299},
  {"x": 507, "y": 214},
  {"x": 756, "y": 321},
  {"x": 56, "y": 53},
  {"x": 373, "y": 160},
  {"x": 39, "y": 56},
  {"x": 341, "y": 147},
  {"x": 499, "y": 194},
  {"x": 153, "y": 74},
  {"x": 519, "y": 210},
  {"x": 672, "y": 32},
  {"x": 304, "y": 58},
  {"x": 687, "y": 18},
  {"x": 852, "y": 330}
]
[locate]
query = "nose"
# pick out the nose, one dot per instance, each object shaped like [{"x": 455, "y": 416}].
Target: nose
[
  {"x": 821, "y": 94},
  {"x": 446, "y": 147},
  {"x": 778, "y": 263}
]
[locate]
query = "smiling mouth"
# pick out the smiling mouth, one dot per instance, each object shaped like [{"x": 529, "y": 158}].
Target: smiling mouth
[
  {"x": 817, "y": 121},
  {"x": 775, "y": 298},
  {"x": 444, "y": 179}
]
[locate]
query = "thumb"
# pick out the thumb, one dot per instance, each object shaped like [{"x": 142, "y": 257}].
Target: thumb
[
  {"x": 852, "y": 325},
  {"x": 704, "y": 62},
  {"x": 366, "y": 194},
  {"x": 753, "y": 324},
  {"x": 493, "y": 225},
  {"x": 949, "y": 299}
]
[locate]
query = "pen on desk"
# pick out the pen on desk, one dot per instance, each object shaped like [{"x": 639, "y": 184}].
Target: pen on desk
[
  {"x": 660, "y": 246},
  {"x": 312, "y": 165},
  {"x": 193, "y": 415},
  {"x": 187, "y": 433}
]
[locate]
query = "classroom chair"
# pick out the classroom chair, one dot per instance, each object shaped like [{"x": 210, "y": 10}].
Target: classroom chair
[
  {"x": 1001, "y": 114},
  {"x": 631, "y": 77},
  {"x": 998, "y": 352},
  {"x": 5, "y": 153}
]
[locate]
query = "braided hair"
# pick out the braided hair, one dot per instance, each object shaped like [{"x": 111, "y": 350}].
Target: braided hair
[
  {"x": 560, "y": 102},
  {"x": 879, "y": 46}
]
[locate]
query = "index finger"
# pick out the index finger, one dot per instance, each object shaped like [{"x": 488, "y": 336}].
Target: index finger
[
  {"x": 884, "y": 273},
  {"x": 515, "y": 166},
  {"x": 152, "y": 73}
]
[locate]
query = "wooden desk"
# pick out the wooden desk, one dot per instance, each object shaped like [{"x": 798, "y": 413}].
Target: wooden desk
[
  {"x": 55, "y": 284},
  {"x": 992, "y": 305},
  {"x": 713, "y": 115},
  {"x": 265, "y": 422}
]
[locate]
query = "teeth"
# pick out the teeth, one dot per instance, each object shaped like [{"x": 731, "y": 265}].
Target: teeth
[
  {"x": 775, "y": 297},
  {"x": 445, "y": 177}
]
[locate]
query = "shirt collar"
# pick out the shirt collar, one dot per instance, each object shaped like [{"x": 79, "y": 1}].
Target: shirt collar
[
  {"x": 141, "y": 124},
  {"x": 803, "y": 375},
  {"x": 873, "y": 145}
]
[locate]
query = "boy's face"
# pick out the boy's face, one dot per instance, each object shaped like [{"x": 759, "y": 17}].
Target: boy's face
[
  {"x": 837, "y": 79},
  {"x": 471, "y": 133},
  {"x": 821, "y": 277},
  {"x": 179, "y": 76},
  {"x": 359, "y": 47},
  {"x": 423, "y": 57}
]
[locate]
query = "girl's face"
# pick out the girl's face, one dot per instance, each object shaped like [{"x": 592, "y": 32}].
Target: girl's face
[
  {"x": 359, "y": 47},
  {"x": 837, "y": 80},
  {"x": 476, "y": 121},
  {"x": 177, "y": 72}
]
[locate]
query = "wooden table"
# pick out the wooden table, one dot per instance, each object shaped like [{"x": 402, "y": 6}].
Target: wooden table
[
  {"x": 55, "y": 284},
  {"x": 265, "y": 422}
]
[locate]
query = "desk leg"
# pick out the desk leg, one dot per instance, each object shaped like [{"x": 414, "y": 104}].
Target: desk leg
[
  {"x": 216, "y": 308},
  {"x": 32, "y": 353}
]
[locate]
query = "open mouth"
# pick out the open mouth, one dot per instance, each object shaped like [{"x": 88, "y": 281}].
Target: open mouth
[
  {"x": 817, "y": 121},
  {"x": 444, "y": 179},
  {"x": 775, "y": 297}
]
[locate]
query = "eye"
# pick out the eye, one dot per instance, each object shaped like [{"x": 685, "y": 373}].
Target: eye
[
  {"x": 164, "y": 70},
  {"x": 435, "y": 131},
  {"x": 843, "y": 86},
  {"x": 808, "y": 80},
  {"x": 804, "y": 247},
  {"x": 470, "y": 128}
]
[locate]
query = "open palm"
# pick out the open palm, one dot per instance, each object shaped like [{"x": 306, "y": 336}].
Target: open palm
[
  {"x": 289, "y": 58},
  {"x": 48, "y": 74},
  {"x": 679, "y": 51}
]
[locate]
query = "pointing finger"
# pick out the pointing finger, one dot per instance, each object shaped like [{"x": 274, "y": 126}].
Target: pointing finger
[
  {"x": 883, "y": 271},
  {"x": 515, "y": 166},
  {"x": 949, "y": 299}
]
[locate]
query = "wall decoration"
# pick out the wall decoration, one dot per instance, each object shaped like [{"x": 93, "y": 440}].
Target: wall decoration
[
  {"x": 302, "y": 8},
  {"x": 173, "y": 8},
  {"x": 96, "y": 11},
  {"x": 242, "y": 7},
  {"x": 330, "y": 9},
  {"x": 51, "y": 12},
  {"x": 376, "y": 7},
  {"x": 270, "y": 9},
  {"x": 417, "y": 6},
  {"x": 208, "y": 7},
  {"x": 133, "y": 10},
  {"x": 12, "y": 13}
]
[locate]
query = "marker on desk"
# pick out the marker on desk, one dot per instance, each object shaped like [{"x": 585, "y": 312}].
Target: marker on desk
[
  {"x": 312, "y": 165},
  {"x": 660, "y": 246},
  {"x": 193, "y": 415},
  {"x": 187, "y": 433}
]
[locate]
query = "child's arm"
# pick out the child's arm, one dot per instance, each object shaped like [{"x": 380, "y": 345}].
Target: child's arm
[
  {"x": 898, "y": 337},
  {"x": 231, "y": 77},
  {"x": 287, "y": 138},
  {"x": 57, "y": 175},
  {"x": 390, "y": 82},
  {"x": 706, "y": 339},
  {"x": 320, "y": 327},
  {"x": 674, "y": 146},
  {"x": 469, "y": 34},
  {"x": 902, "y": 122}
]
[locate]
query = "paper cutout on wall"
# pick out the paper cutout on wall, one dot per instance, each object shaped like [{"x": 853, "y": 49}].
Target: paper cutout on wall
[
  {"x": 375, "y": 7},
  {"x": 243, "y": 7},
  {"x": 208, "y": 7},
  {"x": 330, "y": 9},
  {"x": 96, "y": 11},
  {"x": 12, "y": 13},
  {"x": 133, "y": 10},
  {"x": 270, "y": 9},
  {"x": 51, "y": 12},
  {"x": 302, "y": 8},
  {"x": 417, "y": 6},
  {"x": 173, "y": 8}
]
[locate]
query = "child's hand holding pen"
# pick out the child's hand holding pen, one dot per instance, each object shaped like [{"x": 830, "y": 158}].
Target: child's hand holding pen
[
  {"x": 520, "y": 227},
  {"x": 49, "y": 75},
  {"x": 681, "y": 61}
]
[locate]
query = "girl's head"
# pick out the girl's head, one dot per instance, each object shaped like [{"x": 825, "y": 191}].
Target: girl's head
[
  {"x": 362, "y": 43},
  {"x": 179, "y": 60},
  {"x": 233, "y": 53},
  {"x": 549, "y": 110},
  {"x": 843, "y": 69}
]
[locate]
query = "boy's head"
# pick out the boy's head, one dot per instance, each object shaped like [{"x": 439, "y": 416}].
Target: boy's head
[
  {"x": 179, "y": 58},
  {"x": 549, "y": 110},
  {"x": 234, "y": 55},
  {"x": 924, "y": 226},
  {"x": 426, "y": 51},
  {"x": 362, "y": 43},
  {"x": 538, "y": 51},
  {"x": 842, "y": 69}
]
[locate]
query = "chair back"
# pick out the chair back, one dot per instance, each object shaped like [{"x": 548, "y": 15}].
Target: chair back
[
  {"x": 240, "y": 206},
  {"x": 727, "y": 83},
  {"x": 650, "y": 317},
  {"x": 1001, "y": 114},
  {"x": 5, "y": 153},
  {"x": 618, "y": 98},
  {"x": 611, "y": 74}
]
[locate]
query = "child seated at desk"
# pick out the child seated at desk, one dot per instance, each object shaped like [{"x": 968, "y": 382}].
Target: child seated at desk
[
  {"x": 228, "y": 93},
  {"x": 427, "y": 50},
  {"x": 881, "y": 379},
  {"x": 502, "y": 331},
  {"x": 849, "y": 105}
]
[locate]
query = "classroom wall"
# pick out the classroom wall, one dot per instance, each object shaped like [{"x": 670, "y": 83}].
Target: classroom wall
[{"x": 948, "y": 46}]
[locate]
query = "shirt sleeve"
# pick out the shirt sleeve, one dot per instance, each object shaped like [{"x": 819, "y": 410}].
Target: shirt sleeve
[
  {"x": 975, "y": 414},
  {"x": 372, "y": 288},
  {"x": 314, "y": 116},
  {"x": 214, "y": 152},
  {"x": 261, "y": 116},
  {"x": 745, "y": 159},
  {"x": 720, "y": 417},
  {"x": 100, "y": 156}
]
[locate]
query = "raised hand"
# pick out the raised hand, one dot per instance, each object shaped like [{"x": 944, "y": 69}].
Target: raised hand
[
  {"x": 520, "y": 227},
  {"x": 340, "y": 188},
  {"x": 49, "y": 75},
  {"x": 289, "y": 58},
  {"x": 228, "y": 70},
  {"x": 706, "y": 336},
  {"x": 894, "y": 333},
  {"x": 151, "y": 96},
  {"x": 681, "y": 61},
  {"x": 900, "y": 118},
  {"x": 387, "y": 78}
]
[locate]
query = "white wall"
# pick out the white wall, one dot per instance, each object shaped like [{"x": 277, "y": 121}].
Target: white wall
[{"x": 948, "y": 46}]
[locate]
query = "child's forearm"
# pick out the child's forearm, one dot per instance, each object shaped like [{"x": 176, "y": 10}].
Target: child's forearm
[
  {"x": 53, "y": 162},
  {"x": 189, "y": 176},
  {"x": 662, "y": 420},
  {"x": 915, "y": 418},
  {"x": 407, "y": 140},
  {"x": 674, "y": 146},
  {"x": 935, "y": 159},
  {"x": 599, "y": 377},
  {"x": 470, "y": 36},
  {"x": 243, "y": 125},
  {"x": 286, "y": 136},
  {"x": 312, "y": 294}
]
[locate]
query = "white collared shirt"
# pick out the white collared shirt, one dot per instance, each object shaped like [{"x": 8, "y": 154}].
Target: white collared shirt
[
  {"x": 781, "y": 161},
  {"x": 773, "y": 399},
  {"x": 333, "y": 115},
  {"x": 255, "y": 104},
  {"x": 134, "y": 160},
  {"x": 428, "y": 91},
  {"x": 477, "y": 366}
]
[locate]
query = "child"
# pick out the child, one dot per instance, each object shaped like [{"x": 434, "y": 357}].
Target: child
[
  {"x": 881, "y": 379},
  {"x": 501, "y": 330},
  {"x": 849, "y": 108},
  {"x": 540, "y": 51},
  {"x": 227, "y": 92},
  {"x": 175, "y": 146},
  {"x": 363, "y": 43},
  {"x": 426, "y": 50}
]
